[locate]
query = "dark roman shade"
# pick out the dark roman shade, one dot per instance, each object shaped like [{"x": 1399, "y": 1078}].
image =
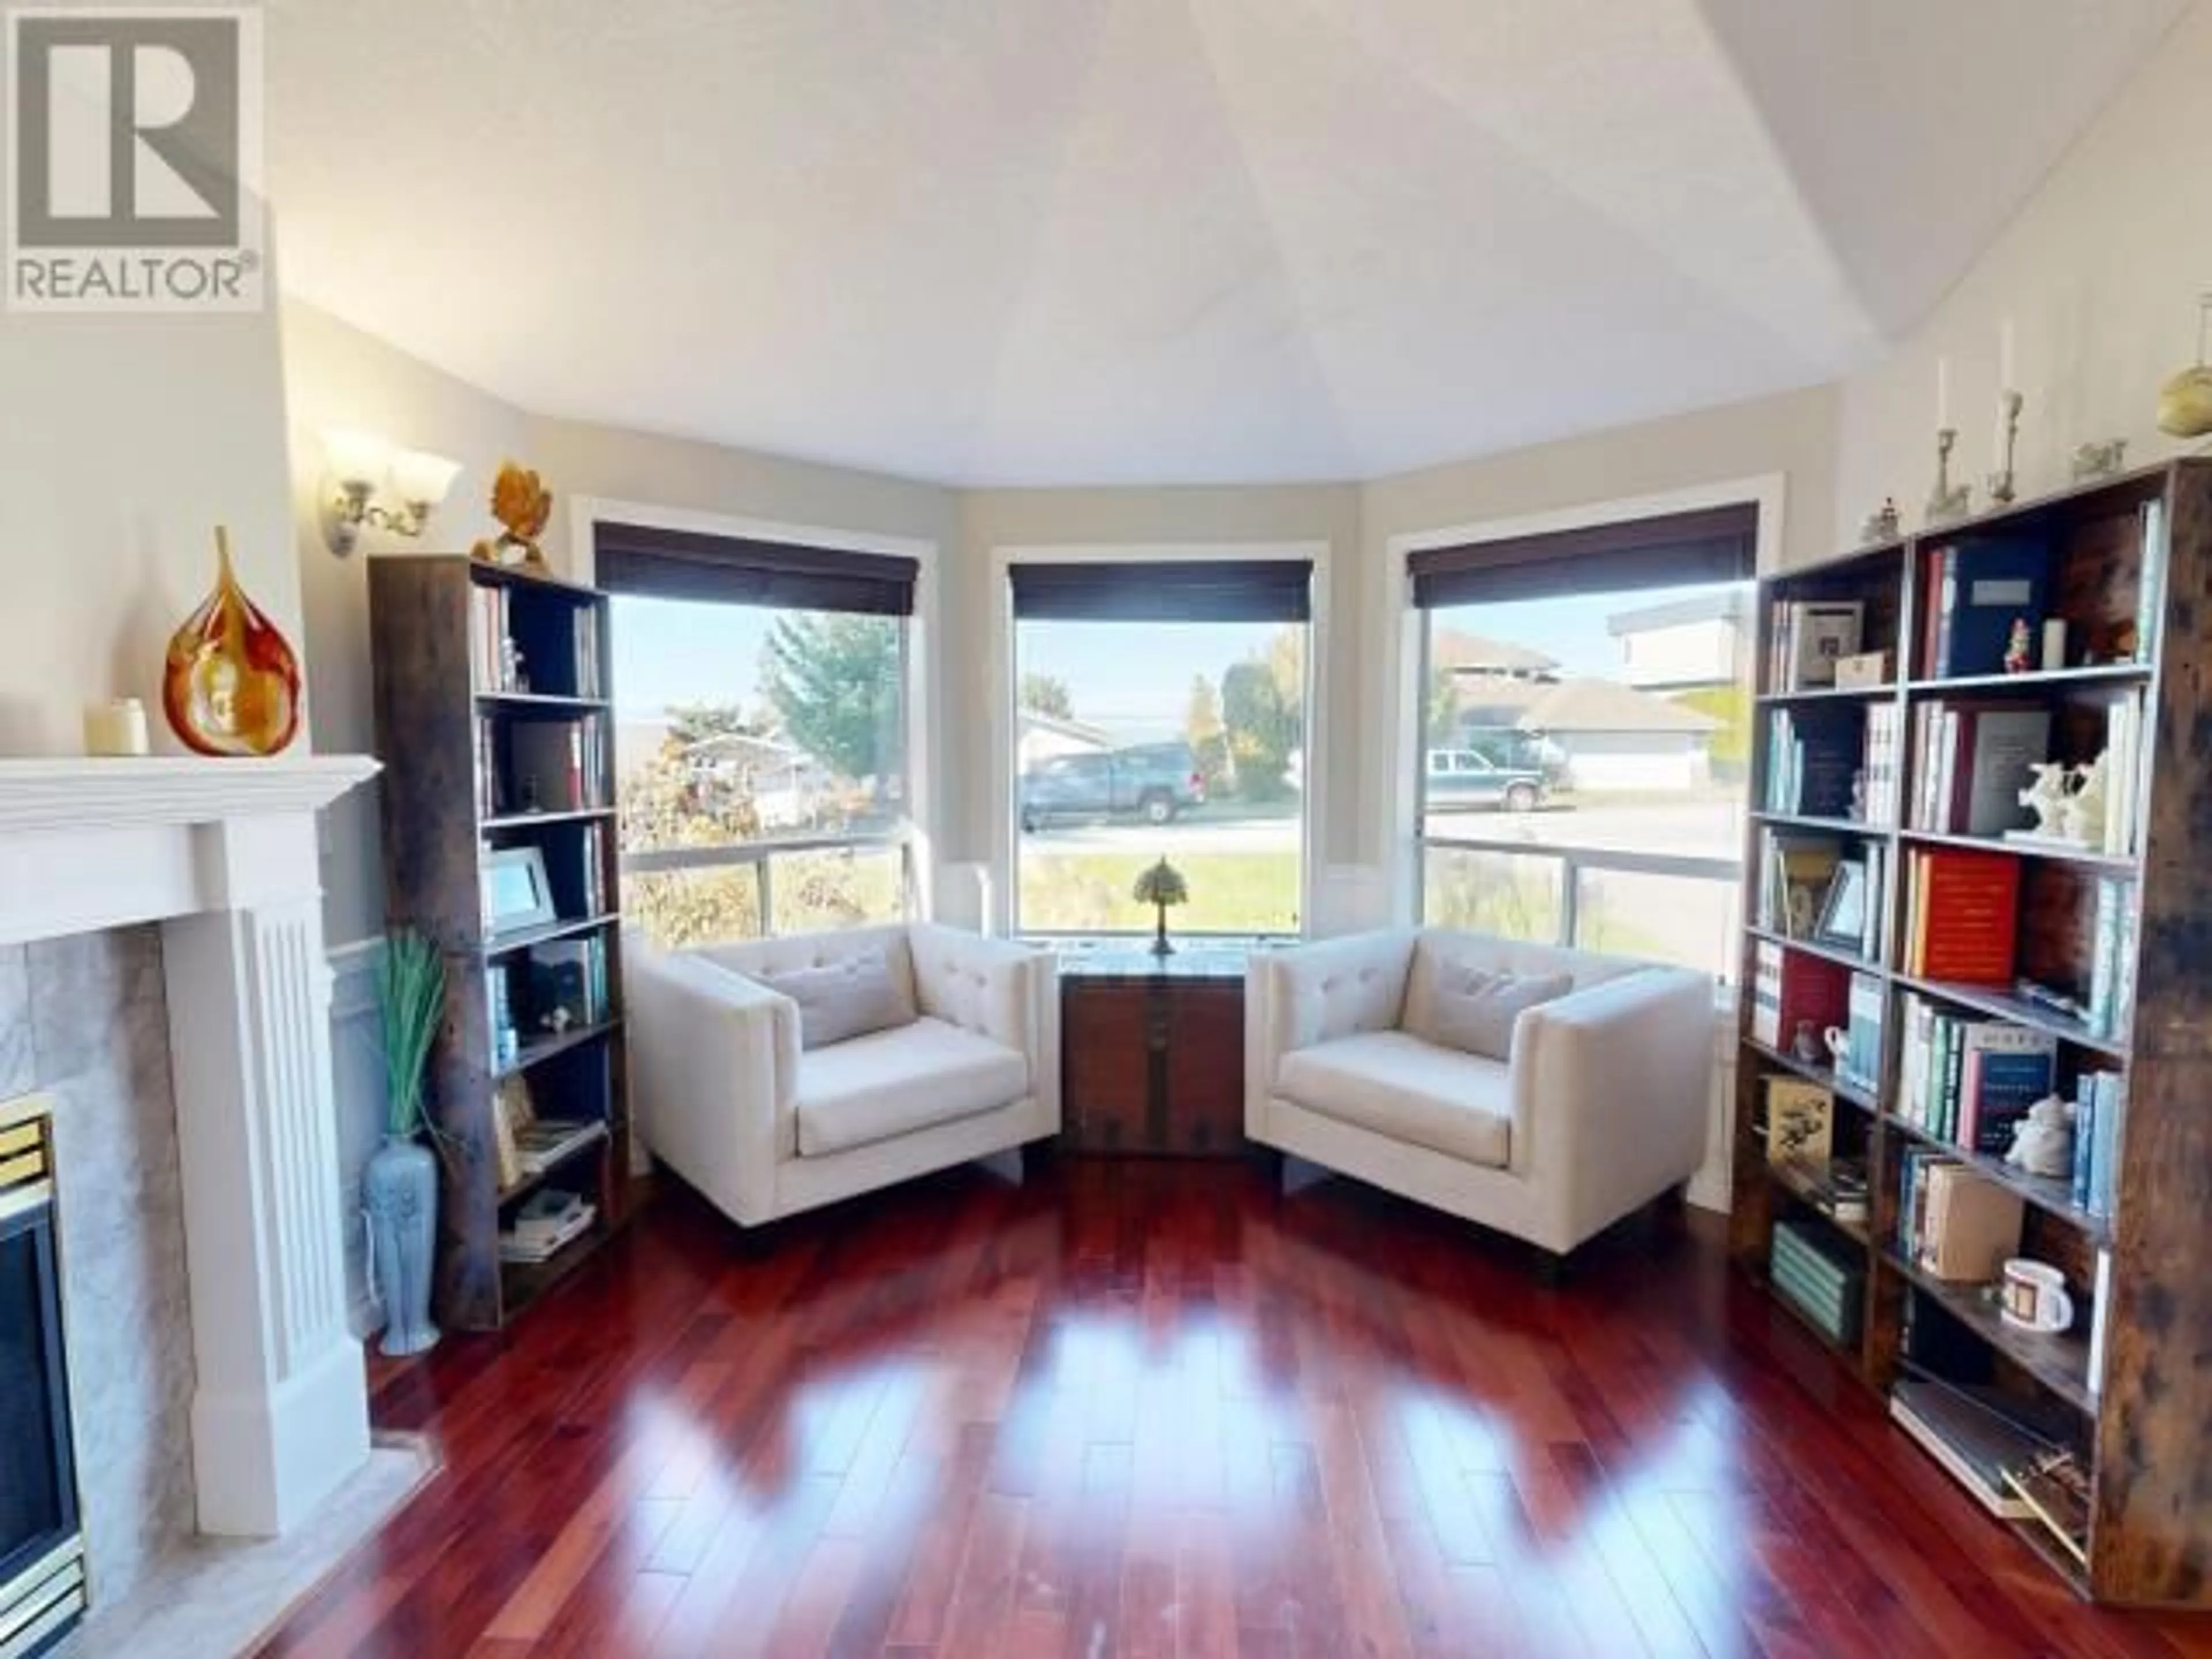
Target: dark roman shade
[
  {"x": 1212, "y": 590},
  {"x": 1709, "y": 544},
  {"x": 688, "y": 564}
]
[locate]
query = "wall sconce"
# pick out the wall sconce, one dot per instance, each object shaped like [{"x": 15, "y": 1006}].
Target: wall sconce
[{"x": 359, "y": 468}]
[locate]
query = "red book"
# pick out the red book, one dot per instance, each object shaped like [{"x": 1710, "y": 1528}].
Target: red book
[{"x": 1968, "y": 915}]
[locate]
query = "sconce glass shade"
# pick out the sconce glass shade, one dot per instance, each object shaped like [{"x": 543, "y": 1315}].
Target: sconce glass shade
[
  {"x": 353, "y": 457},
  {"x": 421, "y": 479}
]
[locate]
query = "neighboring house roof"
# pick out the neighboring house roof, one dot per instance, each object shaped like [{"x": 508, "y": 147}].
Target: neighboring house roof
[
  {"x": 1471, "y": 653},
  {"x": 1073, "y": 731},
  {"x": 1733, "y": 605},
  {"x": 745, "y": 748},
  {"x": 1603, "y": 706}
]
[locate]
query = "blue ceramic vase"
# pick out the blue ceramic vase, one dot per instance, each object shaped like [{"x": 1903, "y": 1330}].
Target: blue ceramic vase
[{"x": 399, "y": 1191}]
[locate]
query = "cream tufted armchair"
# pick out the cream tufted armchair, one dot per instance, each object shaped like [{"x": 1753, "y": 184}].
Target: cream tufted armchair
[
  {"x": 962, "y": 1063},
  {"x": 1595, "y": 1105}
]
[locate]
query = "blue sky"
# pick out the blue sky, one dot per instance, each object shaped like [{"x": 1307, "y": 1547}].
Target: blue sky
[{"x": 1131, "y": 679}]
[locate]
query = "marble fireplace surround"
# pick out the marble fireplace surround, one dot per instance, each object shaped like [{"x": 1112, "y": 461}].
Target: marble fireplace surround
[{"x": 223, "y": 855}]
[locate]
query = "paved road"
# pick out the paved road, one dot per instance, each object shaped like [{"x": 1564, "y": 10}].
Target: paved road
[{"x": 1701, "y": 828}]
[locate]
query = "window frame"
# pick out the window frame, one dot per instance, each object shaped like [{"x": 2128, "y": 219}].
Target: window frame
[
  {"x": 914, "y": 841},
  {"x": 1006, "y": 783},
  {"x": 1403, "y": 801}
]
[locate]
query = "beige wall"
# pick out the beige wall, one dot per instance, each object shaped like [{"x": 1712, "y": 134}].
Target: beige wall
[
  {"x": 2100, "y": 272},
  {"x": 338, "y": 376},
  {"x": 127, "y": 441}
]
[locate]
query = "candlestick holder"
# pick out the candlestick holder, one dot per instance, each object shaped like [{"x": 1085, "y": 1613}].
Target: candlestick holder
[
  {"x": 1946, "y": 502},
  {"x": 2000, "y": 481}
]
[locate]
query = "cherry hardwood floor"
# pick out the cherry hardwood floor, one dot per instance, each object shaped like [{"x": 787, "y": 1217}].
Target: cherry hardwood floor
[{"x": 1158, "y": 1410}]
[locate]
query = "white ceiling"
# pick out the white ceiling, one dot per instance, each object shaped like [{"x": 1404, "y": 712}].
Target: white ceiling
[{"x": 1060, "y": 241}]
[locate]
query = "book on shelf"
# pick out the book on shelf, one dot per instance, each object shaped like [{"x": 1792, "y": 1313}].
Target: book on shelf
[
  {"x": 491, "y": 659},
  {"x": 2126, "y": 735},
  {"x": 1797, "y": 870},
  {"x": 543, "y": 1223},
  {"x": 1977, "y": 592},
  {"x": 1866, "y": 1003},
  {"x": 1789, "y": 989},
  {"x": 2099, "y": 1307},
  {"x": 1836, "y": 1187},
  {"x": 1813, "y": 761},
  {"x": 1800, "y": 1122},
  {"x": 1962, "y": 915},
  {"x": 1955, "y": 1225},
  {"x": 1878, "y": 764},
  {"x": 1819, "y": 1276},
  {"x": 1971, "y": 761},
  {"x": 1811, "y": 636},
  {"x": 588, "y": 677},
  {"x": 2100, "y": 1110},
  {"x": 543, "y": 1142},
  {"x": 1970, "y": 1079},
  {"x": 1975, "y": 1445}
]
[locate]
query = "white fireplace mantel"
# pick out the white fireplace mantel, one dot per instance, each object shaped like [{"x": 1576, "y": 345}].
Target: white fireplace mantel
[{"x": 224, "y": 854}]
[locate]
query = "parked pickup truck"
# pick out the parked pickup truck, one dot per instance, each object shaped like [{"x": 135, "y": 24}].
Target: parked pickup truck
[
  {"x": 1155, "y": 781},
  {"x": 1462, "y": 778}
]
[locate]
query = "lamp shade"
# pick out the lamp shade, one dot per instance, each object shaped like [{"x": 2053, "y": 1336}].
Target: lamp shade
[
  {"x": 420, "y": 478},
  {"x": 355, "y": 456}
]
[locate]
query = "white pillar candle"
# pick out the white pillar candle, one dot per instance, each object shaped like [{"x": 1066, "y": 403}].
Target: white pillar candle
[{"x": 116, "y": 728}]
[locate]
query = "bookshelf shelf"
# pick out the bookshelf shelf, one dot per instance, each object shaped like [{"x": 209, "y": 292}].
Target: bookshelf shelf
[
  {"x": 1795, "y": 1183},
  {"x": 535, "y": 702},
  {"x": 539, "y": 1049},
  {"x": 451, "y": 637},
  {"x": 1830, "y": 826},
  {"x": 2037, "y": 681},
  {"x": 1850, "y": 959},
  {"x": 2023, "y": 849},
  {"x": 536, "y": 1178},
  {"x": 2048, "y": 1194},
  {"x": 507, "y": 944},
  {"x": 2061, "y": 1363},
  {"x": 1830, "y": 694},
  {"x": 532, "y": 820},
  {"x": 2126, "y": 563},
  {"x": 2001, "y": 1004}
]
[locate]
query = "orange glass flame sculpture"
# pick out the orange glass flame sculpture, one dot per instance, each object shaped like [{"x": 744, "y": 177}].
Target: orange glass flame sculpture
[{"x": 231, "y": 686}]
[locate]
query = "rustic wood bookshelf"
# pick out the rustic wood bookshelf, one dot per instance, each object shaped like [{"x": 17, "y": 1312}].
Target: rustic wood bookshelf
[
  {"x": 483, "y": 755},
  {"x": 2136, "y": 1419}
]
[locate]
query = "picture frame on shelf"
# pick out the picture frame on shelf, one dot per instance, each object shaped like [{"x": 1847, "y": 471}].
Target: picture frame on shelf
[
  {"x": 1842, "y": 925},
  {"x": 517, "y": 893}
]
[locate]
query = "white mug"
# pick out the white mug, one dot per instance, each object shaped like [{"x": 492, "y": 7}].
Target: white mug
[{"x": 2033, "y": 1297}]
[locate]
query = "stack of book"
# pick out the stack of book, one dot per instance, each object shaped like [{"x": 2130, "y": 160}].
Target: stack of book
[
  {"x": 2126, "y": 745},
  {"x": 1970, "y": 1080},
  {"x": 1971, "y": 761},
  {"x": 592, "y": 882},
  {"x": 547, "y": 1220},
  {"x": 590, "y": 679},
  {"x": 2101, "y": 1105},
  {"x": 1953, "y": 1224},
  {"x": 1879, "y": 762},
  {"x": 2112, "y": 958},
  {"x": 1809, "y": 636},
  {"x": 1818, "y": 1277},
  {"x": 491, "y": 663},
  {"x": 1962, "y": 915},
  {"x": 1980, "y": 599},
  {"x": 1865, "y": 1006}
]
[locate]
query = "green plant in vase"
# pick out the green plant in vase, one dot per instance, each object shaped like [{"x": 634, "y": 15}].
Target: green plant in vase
[
  {"x": 399, "y": 1190},
  {"x": 1160, "y": 886}
]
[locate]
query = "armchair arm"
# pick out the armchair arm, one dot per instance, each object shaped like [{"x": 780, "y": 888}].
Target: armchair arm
[
  {"x": 1341, "y": 986},
  {"x": 713, "y": 1069},
  {"x": 1612, "y": 1087},
  {"x": 1006, "y": 992}
]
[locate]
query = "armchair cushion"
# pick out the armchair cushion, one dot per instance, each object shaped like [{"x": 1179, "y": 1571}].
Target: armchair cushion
[
  {"x": 1398, "y": 1085},
  {"x": 843, "y": 1000},
  {"x": 1474, "y": 1010},
  {"x": 895, "y": 1082}
]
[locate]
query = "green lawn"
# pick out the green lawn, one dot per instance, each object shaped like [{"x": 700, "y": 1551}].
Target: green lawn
[{"x": 1254, "y": 892}]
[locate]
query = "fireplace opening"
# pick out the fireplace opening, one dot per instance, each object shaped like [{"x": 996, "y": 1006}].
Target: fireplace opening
[{"x": 42, "y": 1589}]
